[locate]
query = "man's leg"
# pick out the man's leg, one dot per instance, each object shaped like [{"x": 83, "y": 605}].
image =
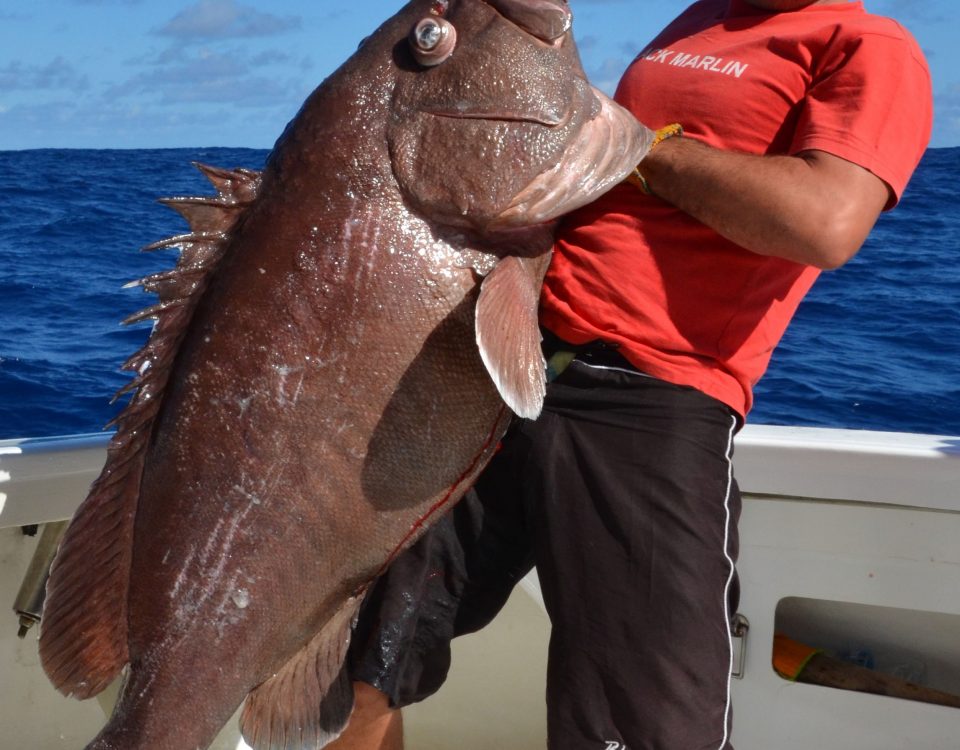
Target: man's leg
[
  {"x": 635, "y": 541},
  {"x": 373, "y": 724},
  {"x": 626, "y": 485},
  {"x": 451, "y": 582}
]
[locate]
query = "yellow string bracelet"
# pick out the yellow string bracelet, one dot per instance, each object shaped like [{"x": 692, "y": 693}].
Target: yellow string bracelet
[{"x": 668, "y": 131}]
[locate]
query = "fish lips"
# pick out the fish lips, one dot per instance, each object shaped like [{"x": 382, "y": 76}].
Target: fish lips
[{"x": 549, "y": 119}]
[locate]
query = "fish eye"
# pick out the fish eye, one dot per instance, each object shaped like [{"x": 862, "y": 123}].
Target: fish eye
[
  {"x": 428, "y": 34},
  {"x": 432, "y": 40}
]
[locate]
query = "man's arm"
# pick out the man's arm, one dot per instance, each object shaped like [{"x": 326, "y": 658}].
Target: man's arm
[{"x": 813, "y": 208}]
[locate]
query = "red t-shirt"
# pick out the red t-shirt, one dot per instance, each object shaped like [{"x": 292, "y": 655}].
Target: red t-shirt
[{"x": 683, "y": 303}]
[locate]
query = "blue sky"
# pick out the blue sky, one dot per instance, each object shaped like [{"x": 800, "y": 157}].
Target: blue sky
[{"x": 141, "y": 73}]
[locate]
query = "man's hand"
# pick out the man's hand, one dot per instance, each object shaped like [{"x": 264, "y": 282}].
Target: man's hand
[{"x": 812, "y": 208}]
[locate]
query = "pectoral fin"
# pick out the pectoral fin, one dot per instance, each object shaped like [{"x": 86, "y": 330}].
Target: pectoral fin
[
  {"x": 508, "y": 334},
  {"x": 308, "y": 702}
]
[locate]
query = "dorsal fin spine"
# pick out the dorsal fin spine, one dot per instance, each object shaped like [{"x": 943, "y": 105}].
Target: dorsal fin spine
[
  {"x": 83, "y": 639},
  {"x": 183, "y": 239}
]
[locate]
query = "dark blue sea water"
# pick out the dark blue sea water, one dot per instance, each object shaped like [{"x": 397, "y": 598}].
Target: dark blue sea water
[{"x": 875, "y": 345}]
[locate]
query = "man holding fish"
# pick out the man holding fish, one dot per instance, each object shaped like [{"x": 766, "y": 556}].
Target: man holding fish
[{"x": 784, "y": 128}]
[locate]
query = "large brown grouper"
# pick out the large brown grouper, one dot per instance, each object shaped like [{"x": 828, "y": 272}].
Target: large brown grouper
[{"x": 327, "y": 373}]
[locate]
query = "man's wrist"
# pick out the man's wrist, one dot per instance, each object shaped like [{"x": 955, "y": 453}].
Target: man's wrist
[
  {"x": 639, "y": 176},
  {"x": 656, "y": 163}
]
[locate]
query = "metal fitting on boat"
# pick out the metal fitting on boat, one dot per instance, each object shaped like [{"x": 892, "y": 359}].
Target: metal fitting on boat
[{"x": 29, "y": 602}]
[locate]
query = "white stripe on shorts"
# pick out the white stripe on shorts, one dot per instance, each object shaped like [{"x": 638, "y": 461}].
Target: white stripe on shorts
[{"x": 726, "y": 590}]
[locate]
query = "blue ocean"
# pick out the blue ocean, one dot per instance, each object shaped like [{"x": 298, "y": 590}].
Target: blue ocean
[{"x": 876, "y": 344}]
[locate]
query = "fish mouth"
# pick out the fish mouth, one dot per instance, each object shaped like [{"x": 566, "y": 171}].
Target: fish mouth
[{"x": 549, "y": 120}]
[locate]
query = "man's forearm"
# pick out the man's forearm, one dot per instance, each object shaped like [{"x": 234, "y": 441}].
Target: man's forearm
[{"x": 814, "y": 208}]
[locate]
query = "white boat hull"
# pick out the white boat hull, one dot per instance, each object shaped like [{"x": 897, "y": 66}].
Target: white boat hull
[{"x": 852, "y": 535}]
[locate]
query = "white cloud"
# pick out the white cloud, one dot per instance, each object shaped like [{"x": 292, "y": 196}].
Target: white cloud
[
  {"x": 82, "y": 124},
  {"x": 225, "y": 19},
  {"x": 208, "y": 76},
  {"x": 946, "y": 124},
  {"x": 58, "y": 74}
]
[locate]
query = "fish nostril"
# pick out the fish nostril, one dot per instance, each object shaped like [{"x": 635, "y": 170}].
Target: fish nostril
[{"x": 545, "y": 19}]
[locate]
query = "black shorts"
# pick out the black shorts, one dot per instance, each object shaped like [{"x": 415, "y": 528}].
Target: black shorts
[{"x": 622, "y": 494}]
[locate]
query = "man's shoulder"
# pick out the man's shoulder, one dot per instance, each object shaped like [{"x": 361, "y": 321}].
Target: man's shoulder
[
  {"x": 874, "y": 23},
  {"x": 862, "y": 26}
]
